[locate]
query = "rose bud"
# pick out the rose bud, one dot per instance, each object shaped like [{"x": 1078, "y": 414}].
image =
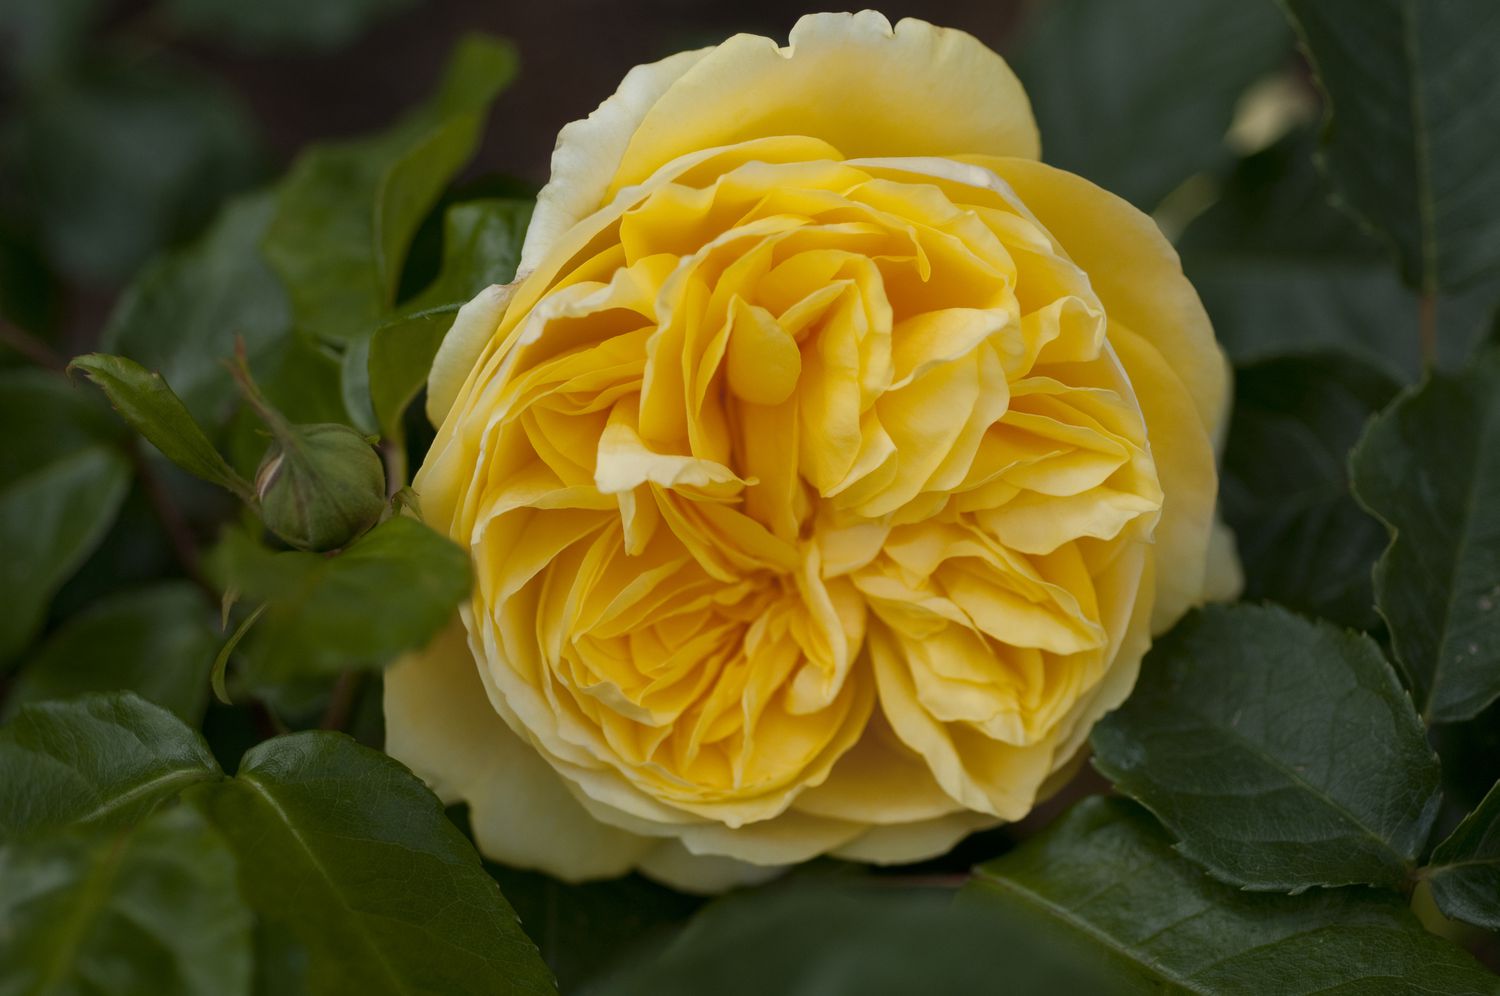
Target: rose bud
[{"x": 320, "y": 485}]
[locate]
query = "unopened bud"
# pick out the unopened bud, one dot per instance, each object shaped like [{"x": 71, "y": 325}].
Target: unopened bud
[{"x": 320, "y": 486}]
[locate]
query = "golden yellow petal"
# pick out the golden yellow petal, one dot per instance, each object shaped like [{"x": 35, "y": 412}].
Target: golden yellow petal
[{"x": 922, "y": 90}]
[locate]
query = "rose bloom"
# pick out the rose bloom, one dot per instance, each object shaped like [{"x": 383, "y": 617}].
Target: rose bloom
[{"x": 826, "y": 470}]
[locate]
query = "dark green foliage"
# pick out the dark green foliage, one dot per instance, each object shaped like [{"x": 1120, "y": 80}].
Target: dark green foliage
[
  {"x": 1465, "y": 871},
  {"x": 1414, "y": 126},
  {"x": 346, "y": 213},
  {"x": 352, "y": 878},
  {"x": 156, "y": 641},
  {"x": 854, "y": 939},
  {"x": 389, "y": 896},
  {"x": 151, "y": 908},
  {"x": 99, "y": 760},
  {"x": 1302, "y": 538},
  {"x": 1105, "y": 884},
  {"x": 184, "y": 312},
  {"x": 391, "y": 591},
  {"x": 1284, "y": 754},
  {"x": 62, "y": 479},
  {"x": 1429, "y": 467},
  {"x": 1283, "y": 271}
]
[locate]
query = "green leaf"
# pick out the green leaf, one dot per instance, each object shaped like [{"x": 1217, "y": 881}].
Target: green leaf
[
  {"x": 1465, "y": 869},
  {"x": 157, "y": 642},
  {"x": 347, "y": 212},
  {"x": 390, "y": 591},
  {"x": 126, "y": 156},
  {"x": 1283, "y": 753},
  {"x": 280, "y": 962},
  {"x": 150, "y": 910},
  {"x": 1137, "y": 95},
  {"x": 480, "y": 69},
  {"x": 425, "y": 257},
  {"x": 49, "y": 522},
  {"x": 412, "y": 184},
  {"x": 147, "y": 403},
  {"x": 354, "y": 385},
  {"x": 182, "y": 314},
  {"x": 864, "y": 938},
  {"x": 1281, "y": 270},
  {"x": 1302, "y": 539},
  {"x": 1104, "y": 881},
  {"x": 389, "y": 896},
  {"x": 105, "y": 759},
  {"x": 62, "y": 479},
  {"x": 400, "y": 357},
  {"x": 581, "y": 928},
  {"x": 481, "y": 246},
  {"x": 1429, "y": 468},
  {"x": 1413, "y": 126},
  {"x": 321, "y": 241},
  {"x": 272, "y": 26}
]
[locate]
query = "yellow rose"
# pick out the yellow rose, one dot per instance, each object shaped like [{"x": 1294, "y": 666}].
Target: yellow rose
[{"x": 826, "y": 470}]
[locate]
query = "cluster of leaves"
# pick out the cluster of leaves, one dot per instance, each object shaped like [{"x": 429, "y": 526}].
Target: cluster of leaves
[
  {"x": 132, "y": 863},
  {"x": 259, "y": 280},
  {"x": 1307, "y": 782}
]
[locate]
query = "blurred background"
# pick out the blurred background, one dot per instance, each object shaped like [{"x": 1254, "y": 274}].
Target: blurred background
[{"x": 123, "y": 123}]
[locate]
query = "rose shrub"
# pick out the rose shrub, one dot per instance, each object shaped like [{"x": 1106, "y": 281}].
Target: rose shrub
[{"x": 826, "y": 470}]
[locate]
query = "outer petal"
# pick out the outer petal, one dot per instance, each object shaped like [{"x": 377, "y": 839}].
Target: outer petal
[
  {"x": 849, "y": 79},
  {"x": 1226, "y": 578},
  {"x": 439, "y": 723},
  {"x": 1134, "y": 270},
  {"x": 901, "y": 843},
  {"x": 465, "y": 339},
  {"x": 673, "y": 864},
  {"x": 588, "y": 152},
  {"x": 1184, "y": 457},
  {"x": 787, "y": 839}
]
